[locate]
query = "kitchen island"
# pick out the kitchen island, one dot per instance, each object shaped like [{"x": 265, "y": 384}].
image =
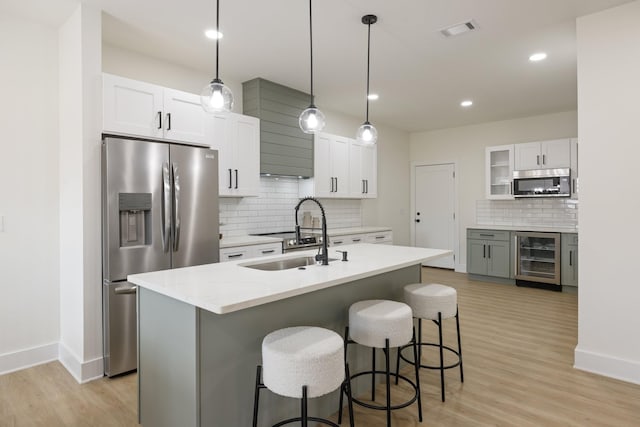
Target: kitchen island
[{"x": 200, "y": 328}]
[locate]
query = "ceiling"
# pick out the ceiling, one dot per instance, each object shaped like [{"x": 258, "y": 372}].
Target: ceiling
[{"x": 420, "y": 75}]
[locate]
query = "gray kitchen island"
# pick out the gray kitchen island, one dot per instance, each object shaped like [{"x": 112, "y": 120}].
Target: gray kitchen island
[{"x": 200, "y": 328}]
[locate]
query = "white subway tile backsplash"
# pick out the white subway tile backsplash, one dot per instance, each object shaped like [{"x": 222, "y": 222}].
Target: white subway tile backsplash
[
  {"x": 273, "y": 210},
  {"x": 528, "y": 212}
]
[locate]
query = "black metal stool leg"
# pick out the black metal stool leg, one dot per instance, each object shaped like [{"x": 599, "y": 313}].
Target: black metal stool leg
[
  {"x": 349, "y": 399},
  {"x": 386, "y": 351},
  {"x": 459, "y": 345},
  {"x": 256, "y": 396},
  {"x": 419, "y": 360},
  {"x": 441, "y": 355},
  {"x": 416, "y": 367},
  {"x": 373, "y": 374},
  {"x": 303, "y": 412}
]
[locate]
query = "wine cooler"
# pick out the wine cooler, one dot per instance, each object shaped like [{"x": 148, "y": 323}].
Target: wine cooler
[{"x": 538, "y": 259}]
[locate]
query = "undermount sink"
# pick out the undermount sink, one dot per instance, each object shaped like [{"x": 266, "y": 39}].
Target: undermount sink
[{"x": 285, "y": 264}]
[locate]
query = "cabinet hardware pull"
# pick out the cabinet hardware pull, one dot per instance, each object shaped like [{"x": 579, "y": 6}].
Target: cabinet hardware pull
[
  {"x": 337, "y": 242},
  {"x": 538, "y": 159},
  {"x": 487, "y": 235},
  {"x": 363, "y": 191},
  {"x": 489, "y": 251},
  {"x": 544, "y": 161},
  {"x": 366, "y": 182},
  {"x": 230, "y": 179},
  {"x": 234, "y": 255},
  {"x": 336, "y": 184},
  {"x": 159, "y": 119},
  {"x": 168, "y": 121},
  {"x": 571, "y": 258},
  {"x": 356, "y": 240},
  {"x": 484, "y": 251},
  {"x": 379, "y": 237},
  {"x": 270, "y": 251},
  {"x": 511, "y": 185},
  {"x": 236, "y": 178}
]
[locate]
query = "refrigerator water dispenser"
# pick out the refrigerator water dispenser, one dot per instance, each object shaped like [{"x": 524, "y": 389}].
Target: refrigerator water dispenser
[{"x": 135, "y": 219}]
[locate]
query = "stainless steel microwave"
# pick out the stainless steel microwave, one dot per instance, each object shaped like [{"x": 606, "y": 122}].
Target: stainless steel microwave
[{"x": 542, "y": 183}]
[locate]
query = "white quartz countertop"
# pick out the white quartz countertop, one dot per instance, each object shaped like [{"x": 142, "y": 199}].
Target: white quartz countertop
[
  {"x": 231, "y": 286},
  {"x": 525, "y": 228},
  {"x": 356, "y": 230},
  {"x": 232, "y": 242}
]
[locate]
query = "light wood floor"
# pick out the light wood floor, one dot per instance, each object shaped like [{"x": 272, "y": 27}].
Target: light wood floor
[{"x": 518, "y": 355}]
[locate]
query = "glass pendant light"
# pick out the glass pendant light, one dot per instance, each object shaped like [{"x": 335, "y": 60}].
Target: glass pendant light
[
  {"x": 367, "y": 133},
  {"x": 216, "y": 97},
  {"x": 311, "y": 120}
]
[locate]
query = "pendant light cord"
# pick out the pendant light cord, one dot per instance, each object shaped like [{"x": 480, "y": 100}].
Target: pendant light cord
[
  {"x": 311, "y": 49},
  {"x": 368, "y": 64},
  {"x": 217, "y": 35}
]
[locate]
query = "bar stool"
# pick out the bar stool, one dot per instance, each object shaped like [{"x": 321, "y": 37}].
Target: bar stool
[
  {"x": 303, "y": 362},
  {"x": 383, "y": 324},
  {"x": 434, "y": 302}
]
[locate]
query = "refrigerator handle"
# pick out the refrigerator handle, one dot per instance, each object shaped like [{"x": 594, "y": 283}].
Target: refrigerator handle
[
  {"x": 176, "y": 206},
  {"x": 166, "y": 207}
]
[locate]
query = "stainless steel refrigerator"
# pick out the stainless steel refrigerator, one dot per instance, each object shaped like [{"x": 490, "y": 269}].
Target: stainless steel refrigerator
[{"x": 159, "y": 211}]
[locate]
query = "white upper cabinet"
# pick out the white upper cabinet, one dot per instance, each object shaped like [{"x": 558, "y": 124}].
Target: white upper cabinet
[
  {"x": 543, "y": 155},
  {"x": 330, "y": 168},
  {"x": 237, "y": 139},
  {"x": 499, "y": 172},
  {"x": 363, "y": 170},
  {"x": 131, "y": 107}
]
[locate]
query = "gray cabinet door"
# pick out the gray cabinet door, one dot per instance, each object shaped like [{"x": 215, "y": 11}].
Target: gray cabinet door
[
  {"x": 569, "y": 260},
  {"x": 476, "y": 257},
  {"x": 498, "y": 260}
]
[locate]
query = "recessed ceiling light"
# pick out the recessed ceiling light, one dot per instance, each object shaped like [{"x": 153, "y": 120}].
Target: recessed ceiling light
[
  {"x": 538, "y": 57},
  {"x": 213, "y": 34},
  {"x": 466, "y": 103},
  {"x": 373, "y": 96}
]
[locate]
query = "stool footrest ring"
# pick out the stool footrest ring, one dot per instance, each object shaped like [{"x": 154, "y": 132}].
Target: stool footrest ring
[
  {"x": 451, "y": 350},
  {"x": 384, "y": 408}
]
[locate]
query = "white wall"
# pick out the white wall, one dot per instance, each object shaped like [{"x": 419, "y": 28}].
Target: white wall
[
  {"x": 29, "y": 311},
  {"x": 608, "y": 93},
  {"x": 79, "y": 156},
  {"x": 465, "y": 146}
]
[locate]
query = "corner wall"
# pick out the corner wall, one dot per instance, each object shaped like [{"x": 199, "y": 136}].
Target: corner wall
[
  {"x": 465, "y": 146},
  {"x": 29, "y": 253},
  {"x": 608, "y": 93}
]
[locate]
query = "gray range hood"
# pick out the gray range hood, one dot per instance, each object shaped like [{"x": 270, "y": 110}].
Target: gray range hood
[{"x": 284, "y": 149}]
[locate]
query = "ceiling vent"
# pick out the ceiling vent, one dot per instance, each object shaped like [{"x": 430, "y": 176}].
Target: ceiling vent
[{"x": 456, "y": 30}]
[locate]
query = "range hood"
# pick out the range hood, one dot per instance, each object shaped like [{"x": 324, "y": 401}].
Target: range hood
[{"x": 284, "y": 149}]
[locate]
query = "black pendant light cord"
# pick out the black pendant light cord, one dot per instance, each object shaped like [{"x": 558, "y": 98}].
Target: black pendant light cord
[
  {"x": 368, "y": 62},
  {"x": 311, "y": 49},
  {"x": 217, "y": 37}
]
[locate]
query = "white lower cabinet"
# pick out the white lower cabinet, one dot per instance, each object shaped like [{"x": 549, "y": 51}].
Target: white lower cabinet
[
  {"x": 384, "y": 237},
  {"x": 250, "y": 251}
]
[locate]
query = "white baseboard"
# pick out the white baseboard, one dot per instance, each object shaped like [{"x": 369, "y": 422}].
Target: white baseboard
[
  {"x": 11, "y": 362},
  {"x": 609, "y": 366},
  {"x": 82, "y": 371}
]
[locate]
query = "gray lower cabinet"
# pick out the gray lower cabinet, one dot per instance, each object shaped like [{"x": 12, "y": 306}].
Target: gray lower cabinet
[
  {"x": 569, "y": 259},
  {"x": 488, "y": 253}
]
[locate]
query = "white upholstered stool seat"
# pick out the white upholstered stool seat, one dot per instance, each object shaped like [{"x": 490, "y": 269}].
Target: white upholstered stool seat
[
  {"x": 298, "y": 356},
  {"x": 427, "y": 300},
  {"x": 371, "y": 322},
  {"x": 434, "y": 302},
  {"x": 383, "y": 324},
  {"x": 303, "y": 362}
]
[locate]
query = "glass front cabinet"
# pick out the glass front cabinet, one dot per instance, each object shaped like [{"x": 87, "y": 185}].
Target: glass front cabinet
[{"x": 499, "y": 172}]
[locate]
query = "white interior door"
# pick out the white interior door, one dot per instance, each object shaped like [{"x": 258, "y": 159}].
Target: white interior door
[{"x": 435, "y": 210}]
